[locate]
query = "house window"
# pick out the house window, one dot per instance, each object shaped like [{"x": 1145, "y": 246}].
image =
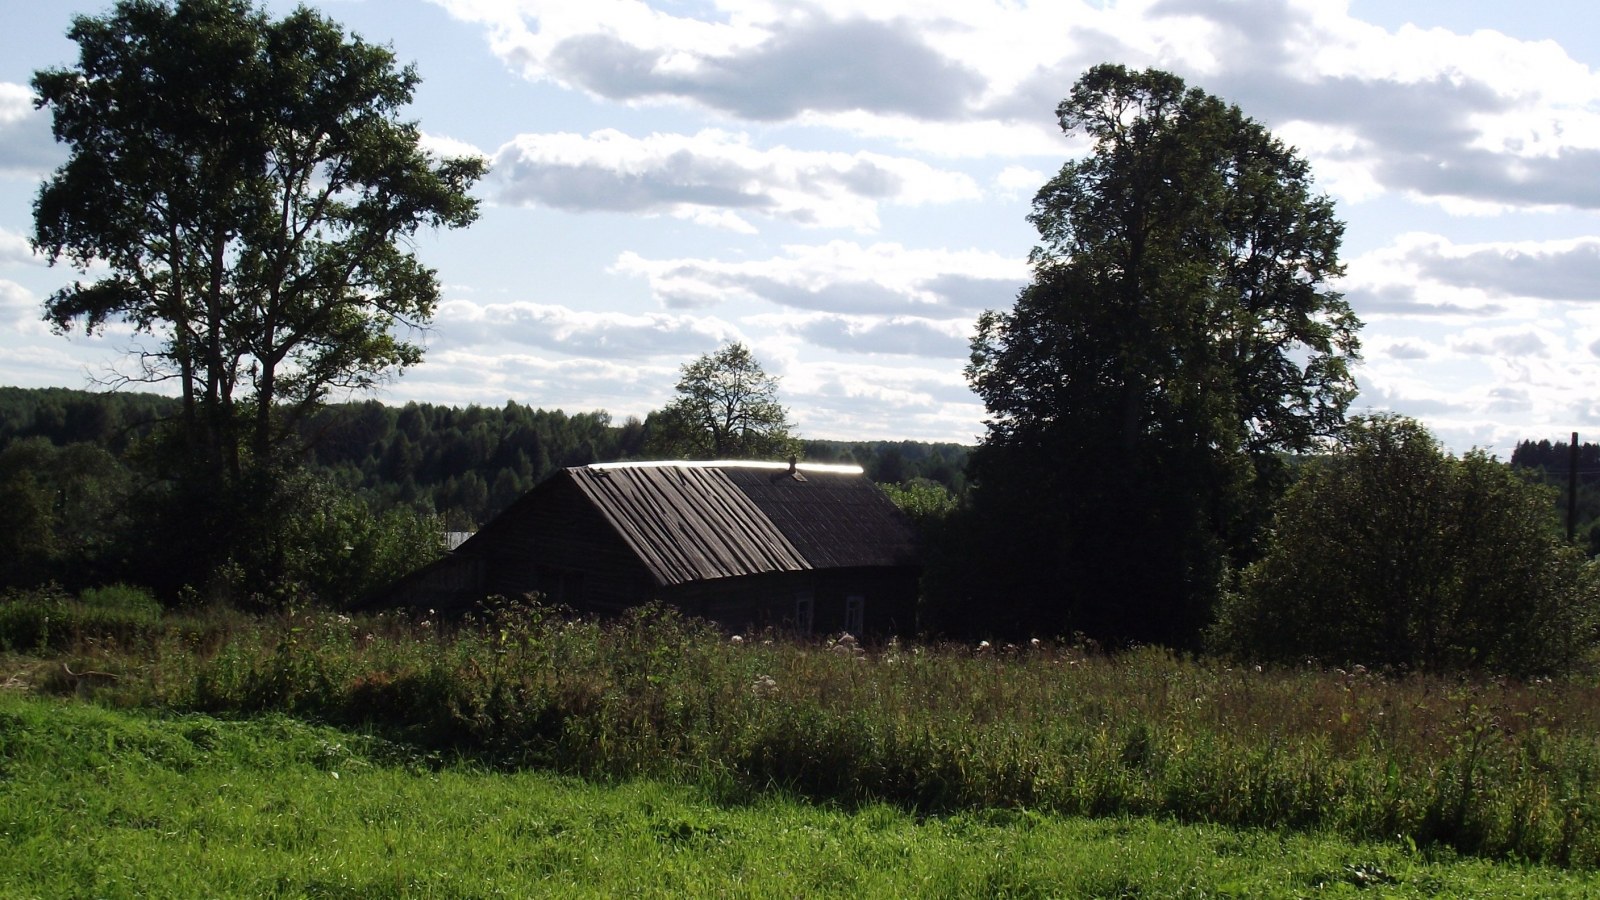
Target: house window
[
  {"x": 802, "y": 612},
  {"x": 855, "y": 614}
]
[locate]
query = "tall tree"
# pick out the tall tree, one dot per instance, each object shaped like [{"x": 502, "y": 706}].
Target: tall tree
[
  {"x": 1178, "y": 334},
  {"x": 727, "y": 408},
  {"x": 249, "y": 186}
]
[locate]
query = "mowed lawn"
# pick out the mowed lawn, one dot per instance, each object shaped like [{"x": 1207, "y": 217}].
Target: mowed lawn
[{"x": 97, "y": 802}]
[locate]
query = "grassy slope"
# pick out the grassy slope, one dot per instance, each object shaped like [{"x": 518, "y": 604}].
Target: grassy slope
[{"x": 95, "y": 802}]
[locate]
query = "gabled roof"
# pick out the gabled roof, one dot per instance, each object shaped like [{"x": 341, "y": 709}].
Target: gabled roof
[
  {"x": 698, "y": 521},
  {"x": 688, "y": 523}
]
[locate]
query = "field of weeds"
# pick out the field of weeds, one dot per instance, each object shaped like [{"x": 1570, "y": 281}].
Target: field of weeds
[
  {"x": 101, "y": 802},
  {"x": 1491, "y": 768}
]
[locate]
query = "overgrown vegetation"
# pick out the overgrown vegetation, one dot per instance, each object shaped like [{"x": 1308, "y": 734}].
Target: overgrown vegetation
[
  {"x": 1388, "y": 551},
  {"x": 112, "y": 803},
  {"x": 1487, "y": 767}
]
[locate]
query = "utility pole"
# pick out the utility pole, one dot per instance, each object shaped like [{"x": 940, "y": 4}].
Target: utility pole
[{"x": 1572, "y": 489}]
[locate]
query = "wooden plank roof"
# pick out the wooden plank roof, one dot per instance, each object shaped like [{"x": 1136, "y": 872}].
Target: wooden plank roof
[
  {"x": 835, "y": 519},
  {"x": 688, "y": 523},
  {"x": 701, "y": 521}
]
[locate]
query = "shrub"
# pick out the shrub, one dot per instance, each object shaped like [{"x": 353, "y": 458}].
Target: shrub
[
  {"x": 48, "y": 618},
  {"x": 135, "y": 601},
  {"x": 1390, "y": 551},
  {"x": 27, "y": 618}
]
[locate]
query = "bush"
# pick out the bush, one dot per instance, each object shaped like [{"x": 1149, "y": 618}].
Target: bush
[
  {"x": 1392, "y": 552},
  {"x": 28, "y": 617},
  {"x": 48, "y": 618},
  {"x": 135, "y": 601}
]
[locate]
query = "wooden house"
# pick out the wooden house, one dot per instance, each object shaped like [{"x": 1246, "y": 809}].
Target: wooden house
[{"x": 808, "y": 548}]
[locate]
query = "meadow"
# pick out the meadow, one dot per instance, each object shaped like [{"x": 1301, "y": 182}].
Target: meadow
[
  {"x": 135, "y": 803},
  {"x": 975, "y": 763}
]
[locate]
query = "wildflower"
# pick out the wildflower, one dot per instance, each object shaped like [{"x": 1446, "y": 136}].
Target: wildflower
[
  {"x": 846, "y": 644},
  {"x": 736, "y": 639},
  {"x": 764, "y": 686}
]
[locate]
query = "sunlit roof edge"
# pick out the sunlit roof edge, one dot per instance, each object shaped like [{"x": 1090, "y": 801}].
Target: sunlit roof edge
[{"x": 837, "y": 468}]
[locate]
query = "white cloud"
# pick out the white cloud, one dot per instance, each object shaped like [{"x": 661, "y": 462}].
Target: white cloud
[
  {"x": 462, "y": 324},
  {"x": 1020, "y": 181},
  {"x": 1550, "y": 270},
  {"x": 27, "y": 149},
  {"x": 1502, "y": 343},
  {"x": 443, "y": 146},
  {"x": 866, "y": 401},
  {"x": 16, "y": 299},
  {"x": 912, "y": 336},
  {"x": 15, "y": 250},
  {"x": 716, "y": 178},
  {"x": 1478, "y": 121},
  {"x": 462, "y": 375},
  {"x": 841, "y": 277}
]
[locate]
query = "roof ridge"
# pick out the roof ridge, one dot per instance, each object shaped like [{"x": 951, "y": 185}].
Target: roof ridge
[{"x": 837, "y": 468}]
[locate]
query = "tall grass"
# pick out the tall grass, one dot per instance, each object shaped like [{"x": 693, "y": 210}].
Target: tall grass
[
  {"x": 130, "y": 803},
  {"x": 1496, "y": 768}
]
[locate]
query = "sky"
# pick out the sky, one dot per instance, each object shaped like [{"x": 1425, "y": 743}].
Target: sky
[{"x": 843, "y": 187}]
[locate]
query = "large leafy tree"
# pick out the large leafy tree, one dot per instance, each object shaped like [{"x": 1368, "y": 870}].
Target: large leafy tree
[
  {"x": 1388, "y": 551},
  {"x": 1178, "y": 335},
  {"x": 727, "y": 408},
  {"x": 250, "y": 192},
  {"x": 250, "y": 189}
]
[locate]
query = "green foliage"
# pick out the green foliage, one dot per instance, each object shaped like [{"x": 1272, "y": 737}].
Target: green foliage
[
  {"x": 49, "y": 619},
  {"x": 1496, "y": 768},
  {"x": 307, "y": 539},
  {"x": 124, "y": 802},
  {"x": 927, "y": 503},
  {"x": 248, "y": 184},
  {"x": 1179, "y": 334},
  {"x": 1391, "y": 552},
  {"x": 727, "y": 408},
  {"x": 135, "y": 601},
  {"x": 112, "y": 420},
  {"x": 465, "y": 464},
  {"x": 63, "y": 512},
  {"x": 430, "y": 457},
  {"x": 1553, "y": 464},
  {"x": 250, "y": 190}
]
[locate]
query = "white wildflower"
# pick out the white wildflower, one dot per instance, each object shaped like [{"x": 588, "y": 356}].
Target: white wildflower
[{"x": 764, "y": 686}]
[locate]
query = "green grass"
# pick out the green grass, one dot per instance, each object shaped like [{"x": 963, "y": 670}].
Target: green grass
[
  {"x": 106, "y": 803},
  {"x": 1502, "y": 770}
]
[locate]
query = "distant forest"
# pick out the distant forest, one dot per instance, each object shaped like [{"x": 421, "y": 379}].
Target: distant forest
[
  {"x": 1553, "y": 460},
  {"x": 463, "y": 464}
]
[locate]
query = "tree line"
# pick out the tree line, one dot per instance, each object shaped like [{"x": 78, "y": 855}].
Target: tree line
[
  {"x": 462, "y": 464},
  {"x": 75, "y": 466}
]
